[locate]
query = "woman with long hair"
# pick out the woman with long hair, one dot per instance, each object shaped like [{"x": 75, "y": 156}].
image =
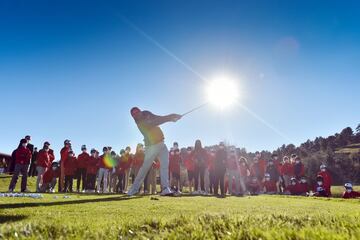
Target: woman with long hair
[{"x": 200, "y": 159}]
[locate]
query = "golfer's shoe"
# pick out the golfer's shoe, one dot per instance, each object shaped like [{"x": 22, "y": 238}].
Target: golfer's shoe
[
  {"x": 167, "y": 192},
  {"x": 131, "y": 193}
]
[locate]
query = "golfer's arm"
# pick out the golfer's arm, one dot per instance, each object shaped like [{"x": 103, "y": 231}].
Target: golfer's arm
[{"x": 158, "y": 120}]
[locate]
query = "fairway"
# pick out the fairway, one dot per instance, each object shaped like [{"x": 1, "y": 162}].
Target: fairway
[{"x": 187, "y": 217}]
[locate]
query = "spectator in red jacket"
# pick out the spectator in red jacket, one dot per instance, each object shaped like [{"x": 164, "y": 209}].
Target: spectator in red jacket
[
  {"x": 174, "y": 167},
  {"x": 120, "y": 172},
  {"x": 244, "y": 173},
  {"x": 349, "y": 192},
  {"x": 286, "y": 171},
  {"x": 199, "y": 157},
  {"x": 254, "y": 186},
  {"x": 319, "y": 189},
  {"x": 43, "y": 161},
  {"x": 82, "y": 162},
  {"x": 63, "y": 155},
  {"x": 293, "y": 187},
  {"x": 91, "y": 170},
  {"x": 22, "y": 161},
  {"x": 327, "y": 178},
  {"x": 138, "y": 159},
  {"x": 49, "y": 178},
  {"x": 257, "y": 168},
  {"x": 69, "y": 171},
  {"x": 299, "y": 169},
  {"x": 129, "y": 160},
  {"x": 303, "y": 187},
  {"x": 190, "y": 167},
  {"x": 211, "y": 169},
  {"x": 269, "y": 185}
]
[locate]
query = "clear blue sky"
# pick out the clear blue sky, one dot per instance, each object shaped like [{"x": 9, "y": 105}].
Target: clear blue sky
[{"x": 73, "y": 70}]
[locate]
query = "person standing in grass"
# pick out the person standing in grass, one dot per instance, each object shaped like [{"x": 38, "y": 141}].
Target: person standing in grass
[
  {"x": 190, "y": 167},
  {"x": 174, "y": 167},
  {"x": 299, "y": 169},
  {"x": 22, "y": 161},
  {"x": 64, "y": 153},
  {"x": 220, "y": 169},
  {"x": 91, "y": 170},
  {"x": 286, "y": 170},
  {"x": 244, "y": 173},
  {"x": 232, "y": 166},
  {"x": 82, "y": 162},
  {"x": 43, "y": 162},
  {"x": 200, "y": 158},
  {"x": 69, "y": 171},
  {"x": 148, "y": 124}
]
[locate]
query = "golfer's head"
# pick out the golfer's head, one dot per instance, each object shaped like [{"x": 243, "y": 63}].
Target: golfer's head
[{"x": 135, "y": 112}]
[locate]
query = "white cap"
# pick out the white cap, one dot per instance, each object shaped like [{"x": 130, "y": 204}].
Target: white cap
[
  {"x": 322, "y": 166},
  {"x": 348, "y": 185}
]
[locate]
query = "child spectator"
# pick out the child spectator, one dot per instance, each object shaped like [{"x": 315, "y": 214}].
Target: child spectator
[
  {"x": 69, "y": 171},
  {"x": 2, "y": 166},
  {"x": 273, "y": 171},
  {"x": 220, "y": 169},
  {"x": 253, "y": 186},
  {"x": 82, "y": 162},
  {"x": 244, "y": 173},
  {"x": 257, "y": 168},
  {"x": 91, "y": 170},
  {"x": 120, "y": 172},
  {"x": 349, "y": 192},
  {"x": 269, "y": 185},
  {"x": 319, "y": 190},
  {"x": 190, "y": 167},
  {"x": 233, "y": 173},
  {"x": 64, "y": 152},
  {"x": 49, "y": 178},
  {"x": 174, "y": 167},
  {"x": 43, "y": 162},
  {"x": 199, "y": 157},
  {"x": 299, "y": 169},
  {"x": 293, "y": 187},
  {"x": 211, "y": 170},
  {"x": 326, "y": 177},
  {"x": 286, "y": 171},
  {"x": 303, "y": 187}
]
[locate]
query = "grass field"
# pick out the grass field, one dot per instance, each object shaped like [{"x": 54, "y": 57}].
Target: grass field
[{"x": 186, "y": 217}]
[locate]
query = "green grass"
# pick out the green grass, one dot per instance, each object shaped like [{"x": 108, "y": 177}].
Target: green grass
[{"x": 187, "y": 217}]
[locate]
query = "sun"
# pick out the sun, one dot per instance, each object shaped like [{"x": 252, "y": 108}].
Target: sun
[{"x": 222, "y": 92}]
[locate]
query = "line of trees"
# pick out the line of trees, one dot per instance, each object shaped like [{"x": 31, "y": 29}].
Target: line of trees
[{"x": 343, "y": 165}]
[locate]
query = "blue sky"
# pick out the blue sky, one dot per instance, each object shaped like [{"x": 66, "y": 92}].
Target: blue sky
[{"x": 73, "y": 70}]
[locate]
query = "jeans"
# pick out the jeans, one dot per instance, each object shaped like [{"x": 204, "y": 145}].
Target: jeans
[
  {"x": 199, "y": 172},
  {"x": 81, "y": 176},
  {"x": 151, "y": 153},
  {"x": 23, "y": 169},
  {"x": 90, "y": 181},
  {"x": 40, "y": 173},
  {"x": 103, "y": 175}
]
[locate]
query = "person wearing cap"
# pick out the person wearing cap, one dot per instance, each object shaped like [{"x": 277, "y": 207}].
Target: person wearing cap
[
  {"x": 82, "y": 162},
  {"x": 349, "y": 192},
  {"x": 49, "y": 178},
  {"x": 22, "y": 161},
  {"x": 174, "y": 167},
  {"x": 91, "y": 170},
  {"x": 273, "y": 171},
  {"x": 148, "y": 124},
  {"x": 103, "y": 173},
  {"x": 258, "y": 167},
  {"x": 286, "y": 171},
  {"x": 269, "y": 185},
  {"x": 43, "y": 162},
  {"x": 319, "y": 189},
  {"x": 326, "y": 176},
  {"x": 64, "y": 153},
  {"x": 211, "y": 170},
  {"x": 69, "y": 171}
]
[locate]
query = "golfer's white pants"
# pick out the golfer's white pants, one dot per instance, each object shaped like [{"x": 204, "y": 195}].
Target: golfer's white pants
[
  {"x": 151, "y": 153},
  {"x": 103, "y": 174},
  {"x": 234, "y": 174}
]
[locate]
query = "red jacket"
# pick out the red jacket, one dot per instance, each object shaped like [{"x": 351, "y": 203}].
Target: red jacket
[
  {"x": 303, "y": 188},
  {"x": 327, "y": 180},
  {"x": 231, "y": 163},
  {"x": 23, "y": 155},
  {"x": 258, "y": 169},
  {"x": 83, "y": 160},
  {"x": 352, "y": 194},
  {"x": 321, "y": 191},
  {"x": 70, "y": 166},
  {"x": 122, "y": 165},
  {"x": 210, "y": 162},
  {"x": 287, "y": 169},
  {"x": 293, "y": 189},
  {"x": 138, "y": 160},
  {"x": 92, "y": 165},
  {"x": 174, "y": 161},
  {"x": 189, "y": 162},
  {"x": 270, "y": 186},
  {"x": 64, "y": 153},
  {"x": 50, "y": 174},
  {"x": 51, "y": 155},
  {"x": 43, "y": 159}
]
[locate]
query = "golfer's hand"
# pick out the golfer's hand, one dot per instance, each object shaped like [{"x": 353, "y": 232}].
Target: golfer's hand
[{"x": 175, "y": 117}]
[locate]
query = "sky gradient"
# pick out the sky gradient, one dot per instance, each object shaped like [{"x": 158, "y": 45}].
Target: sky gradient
[{"x": 73, "y": 70}]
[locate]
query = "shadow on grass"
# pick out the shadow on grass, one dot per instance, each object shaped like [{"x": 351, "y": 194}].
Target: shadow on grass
[
  {"x": 60, "y": 203},
  {"x": 11, "y": 218}
]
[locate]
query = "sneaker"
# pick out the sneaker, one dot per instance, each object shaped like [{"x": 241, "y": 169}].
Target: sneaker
[
  {"x": 167, "y": 192},
  {"x": 11, "y": 190},
  {"x": 26, "y": 191}
]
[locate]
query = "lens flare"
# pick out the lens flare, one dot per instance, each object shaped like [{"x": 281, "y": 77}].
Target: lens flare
[
  {"x": 109, "y": 161},
  {"x": 222, "y": 92}
]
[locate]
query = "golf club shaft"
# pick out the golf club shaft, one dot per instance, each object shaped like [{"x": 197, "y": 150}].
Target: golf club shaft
[{"x": 194, "y": 109}]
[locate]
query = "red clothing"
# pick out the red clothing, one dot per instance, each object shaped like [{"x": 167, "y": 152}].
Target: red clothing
[
  {"x": 270, "y": 186},
  {"x": 138, "y": 160},
  {"x": 43, "y": 159},
  {"x": 326, "y": 180},
  {"x": 231, "y": 163},
  {"x": 320, "y": 191},
  {"x": 293, "y": 189},
  {"x": 51, "y": 155},
  {"x": 258, "y": 169},
  {"x": 303, "y": 188},
  {"x": 352, "y": 194},
  {"x": 64, "y": 153},
  {"x": 210, "y": 162},
  {"x": 189, "y": 162},
  {"x": 244, "y": 170},
  {"x": 299, "y": 170},
  {"x": 156, "y": 164},
  {"x": 91, "y": 167},
  {"x": 83, "y": 160},
  {"x": 23, "y": 155},
  {"x": 287, "y": 169},
  {"x": 50, "y": 174},
  {"x": 174, "y": 161},
  {"x": 122, "y": 166},
  {"x": 70, "y": 166}
]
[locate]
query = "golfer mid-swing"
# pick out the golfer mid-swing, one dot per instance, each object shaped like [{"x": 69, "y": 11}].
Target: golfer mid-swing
[{"x": 148, "y": 124}]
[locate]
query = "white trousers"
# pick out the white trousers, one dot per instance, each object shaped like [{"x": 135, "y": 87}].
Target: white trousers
[{"x": 103, "y": 174}]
